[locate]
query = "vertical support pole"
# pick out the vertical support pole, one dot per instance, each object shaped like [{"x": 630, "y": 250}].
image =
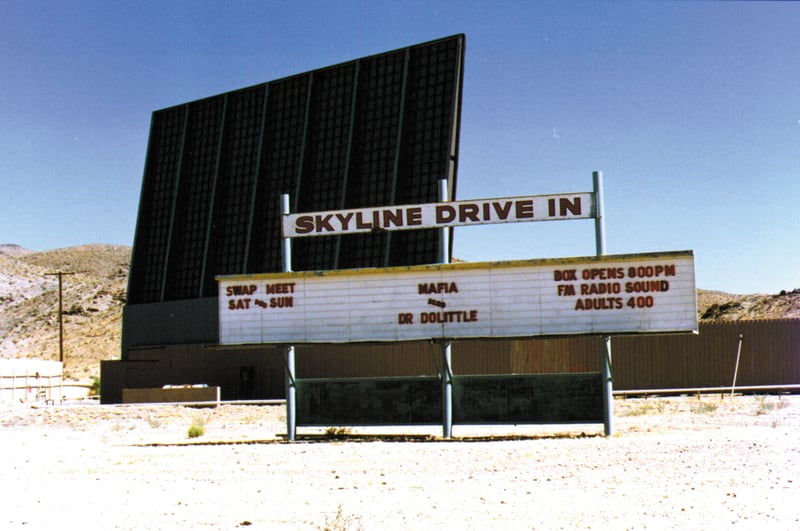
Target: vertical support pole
[
  {"x": 447, "y": 372},
  {"x": 444, "y": 232},
  {"x": 291, "y": 389},
  {"x": 291, "y": 395},
  {"x": 60, "y": 321},
  {"x": 447, "y": 390},
  {"x": 286, "y": 249},
  {"x": 608, "y": 396},
  {"x": 736, "y": 369},
  {"x": 600, "y": 242},
  {"x": 60, "y": 275}
]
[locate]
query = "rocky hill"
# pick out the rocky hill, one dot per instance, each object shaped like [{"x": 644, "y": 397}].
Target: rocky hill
[
  {"x": 94, "y": 293},
  {"x": 719, "y": 306},
  {"x": 92, "y": 296}
]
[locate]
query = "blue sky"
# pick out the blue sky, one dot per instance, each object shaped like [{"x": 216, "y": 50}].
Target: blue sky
[{"x": 690, "y": 109}]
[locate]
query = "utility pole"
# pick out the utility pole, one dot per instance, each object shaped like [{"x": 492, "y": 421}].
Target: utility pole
[{"x": 60, "y": 274}]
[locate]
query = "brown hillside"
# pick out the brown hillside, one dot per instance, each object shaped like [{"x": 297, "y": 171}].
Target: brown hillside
[
  {"x": 719, "y": 306},
  {"x": 94, "y": 295}
]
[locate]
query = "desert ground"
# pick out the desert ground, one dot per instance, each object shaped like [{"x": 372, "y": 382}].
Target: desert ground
[{"x": 709, "y": 462}]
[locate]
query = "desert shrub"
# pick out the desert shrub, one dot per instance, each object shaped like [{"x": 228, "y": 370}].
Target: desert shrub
[
  {"x": 704, "y": 407},
  {"x": 765, "y": 406},
  {"x": 197, "y": 429},
  {"x": 645, "y": 408}
]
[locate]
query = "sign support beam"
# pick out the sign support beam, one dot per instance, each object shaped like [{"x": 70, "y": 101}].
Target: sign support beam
[
  {"x": 600, "y": 241},
  {"x": 447, "y": 372},
  {"x": 447, "y": 389},
  {"x": 291, "y": 388}
]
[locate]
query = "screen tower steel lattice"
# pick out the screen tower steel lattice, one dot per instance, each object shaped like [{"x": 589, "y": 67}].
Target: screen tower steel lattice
[{"x": 381, "y": 130}]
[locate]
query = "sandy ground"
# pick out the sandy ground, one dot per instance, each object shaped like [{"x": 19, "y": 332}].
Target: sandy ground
[{"x": 673, "y": 463}]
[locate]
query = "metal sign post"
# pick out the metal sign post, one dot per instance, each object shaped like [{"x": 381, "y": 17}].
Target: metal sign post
[
  {"x": 600, "y": 241},
  {"x": 291, "y": 388},
  {"x": 447, "y": 371}
]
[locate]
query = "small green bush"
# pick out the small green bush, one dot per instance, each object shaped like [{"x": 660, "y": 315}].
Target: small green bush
[{"x": 197, "y": 429}]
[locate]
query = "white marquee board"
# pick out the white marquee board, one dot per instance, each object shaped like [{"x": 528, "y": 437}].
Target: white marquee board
[{"x": 622, "y": 294}]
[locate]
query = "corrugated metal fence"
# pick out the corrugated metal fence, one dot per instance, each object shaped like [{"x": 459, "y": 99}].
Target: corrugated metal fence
[{"x": 770, "y": 356}]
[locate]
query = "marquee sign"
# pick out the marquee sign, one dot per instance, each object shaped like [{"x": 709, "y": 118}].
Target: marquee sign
[
  {"x": 622, "y": 294},
  {"x": 439, "y": 215}
]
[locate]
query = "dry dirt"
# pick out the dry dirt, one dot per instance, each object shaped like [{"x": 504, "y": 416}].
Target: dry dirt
[{"x": 673, "y": 463}]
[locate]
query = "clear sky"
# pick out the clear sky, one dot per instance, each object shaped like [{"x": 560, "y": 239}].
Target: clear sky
[{"x": 690, "y": 109}]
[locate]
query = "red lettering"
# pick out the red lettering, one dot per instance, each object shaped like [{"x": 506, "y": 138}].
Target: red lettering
[
  {"x": 445, "y": 214},
  {"x": 565, "y": 205},
  {"x": 414, "y": 216},
  {"x": 646, "y": 286},
  {"x": 237, "y": 290},
  {"x": 323, "y": 222},
  {"x": 360, "y": 223},
  {"x": 651, "y": 271},
  {"x": 502, "y": 209},
  {"x": 565, "y": 275},
  {"x": 641, "y": 302},
  {"x": 468, "y": 213},
  {"x": 344, "y": 219},
  {"x": 460, "y": 316},
  {"x": 281, "y": 302},
  {"x": 565, "y": 290},
  {"x": 239, "y": 304},
  {"x": 524, "y": 209},
  {"x": 277, "y": 289},
  {"x": 304, "y": 224},
  {"x": 405, "y": 318},
  {"x": 603, "y": 273},
  {"x": 441, "y": 287},
  {"x": 393, "y": 218},
  {"x": 605, "y": 303},
  {"x": 601, "y": 288}
]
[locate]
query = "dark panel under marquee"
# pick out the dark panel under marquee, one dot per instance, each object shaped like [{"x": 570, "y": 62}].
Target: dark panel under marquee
[{"x": 379, "y": 130}]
